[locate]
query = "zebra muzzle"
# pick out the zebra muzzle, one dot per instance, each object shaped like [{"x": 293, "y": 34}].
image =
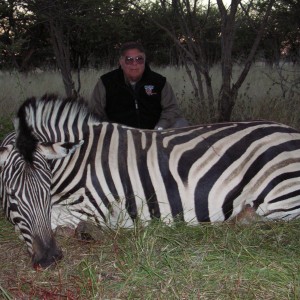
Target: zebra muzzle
[{"x": 45, "y": 254}]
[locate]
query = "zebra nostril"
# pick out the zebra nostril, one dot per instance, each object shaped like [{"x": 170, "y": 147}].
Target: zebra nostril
[
  {"x": 47, "y": 260},
  {"x": 45, "y": 255}
]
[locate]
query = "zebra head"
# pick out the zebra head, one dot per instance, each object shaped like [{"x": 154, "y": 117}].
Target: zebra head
[{"x": 25, "y": 185}]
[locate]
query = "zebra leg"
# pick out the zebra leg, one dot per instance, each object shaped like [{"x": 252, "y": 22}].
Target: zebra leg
[
  {"x": 89, "y": 231},
  {"x": 247, "y": 216},
  {"x": 64, "y": 231},
  {"x": 86, "y": 230}
]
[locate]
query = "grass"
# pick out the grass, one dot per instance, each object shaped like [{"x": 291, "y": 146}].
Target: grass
[
  {"x": 222, "y": 261},
  {"x": 267, "y": 93}
]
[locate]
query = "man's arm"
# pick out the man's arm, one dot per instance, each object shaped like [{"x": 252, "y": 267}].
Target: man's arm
[
  {"x": 97, "y": 102},
  {"x": 170, "y": 110}
]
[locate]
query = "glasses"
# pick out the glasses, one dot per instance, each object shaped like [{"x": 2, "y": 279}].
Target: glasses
[{"x": 129, "y": 60}]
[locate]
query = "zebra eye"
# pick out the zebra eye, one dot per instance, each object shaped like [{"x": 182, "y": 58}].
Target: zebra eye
[{"x": 11, "y": 193}]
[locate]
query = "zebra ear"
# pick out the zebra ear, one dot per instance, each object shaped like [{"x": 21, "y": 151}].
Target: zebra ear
[
  {"x": 4, "y": 152},
  {"x": 58, "y": 150}
]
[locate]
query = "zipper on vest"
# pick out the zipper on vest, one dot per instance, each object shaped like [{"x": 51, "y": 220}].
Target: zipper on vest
[{"x": 137, "y": 110}]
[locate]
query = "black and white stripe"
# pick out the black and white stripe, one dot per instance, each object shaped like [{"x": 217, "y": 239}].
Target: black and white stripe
[{"x": 205, "y": 173}]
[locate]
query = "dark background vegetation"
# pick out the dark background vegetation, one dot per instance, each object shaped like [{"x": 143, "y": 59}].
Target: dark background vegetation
[
  {"x": 71, "y": 35},
  {"x": 94, "y": 30}
]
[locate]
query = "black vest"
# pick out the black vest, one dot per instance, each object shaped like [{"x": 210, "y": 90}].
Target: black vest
[{"x": 141, "y": 107}]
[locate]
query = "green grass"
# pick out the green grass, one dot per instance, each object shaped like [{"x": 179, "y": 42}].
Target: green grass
[
  {"x": 223, "y": 261},
  {"x": 6, "y": 126}
]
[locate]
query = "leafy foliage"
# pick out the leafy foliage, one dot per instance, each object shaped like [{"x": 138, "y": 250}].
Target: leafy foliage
[{"x": 94, "y": 30}]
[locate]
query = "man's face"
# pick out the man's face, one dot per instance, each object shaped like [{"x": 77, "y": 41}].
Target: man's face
[{"x": 133, "y": 64}]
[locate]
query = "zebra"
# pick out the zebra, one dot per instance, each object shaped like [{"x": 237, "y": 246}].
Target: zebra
[{"x": 63, "y": 165}]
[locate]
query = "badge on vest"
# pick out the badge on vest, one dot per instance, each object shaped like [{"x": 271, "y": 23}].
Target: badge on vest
[{"x": 149, "y": 90}]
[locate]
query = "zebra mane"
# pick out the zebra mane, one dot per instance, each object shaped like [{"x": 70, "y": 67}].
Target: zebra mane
[{"x": 38, "y": 117}]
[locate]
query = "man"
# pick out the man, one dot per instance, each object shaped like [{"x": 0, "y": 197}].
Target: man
[{"x": 134, "y": 95}]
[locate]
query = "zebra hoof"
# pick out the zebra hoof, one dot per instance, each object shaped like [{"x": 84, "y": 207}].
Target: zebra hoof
[
  {"x": 64, "y": 231},
  {"x": 247, "y": 216},
  {"x": 88, "y": 231}
]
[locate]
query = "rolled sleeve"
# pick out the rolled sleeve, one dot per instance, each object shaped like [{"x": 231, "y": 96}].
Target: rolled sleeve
[
  {"x": 170, "y": 110},
  {"x": 97, "y": 101}
]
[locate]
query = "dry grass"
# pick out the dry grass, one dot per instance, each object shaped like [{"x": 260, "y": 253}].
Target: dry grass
[{"x": 267, "y": 93}]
